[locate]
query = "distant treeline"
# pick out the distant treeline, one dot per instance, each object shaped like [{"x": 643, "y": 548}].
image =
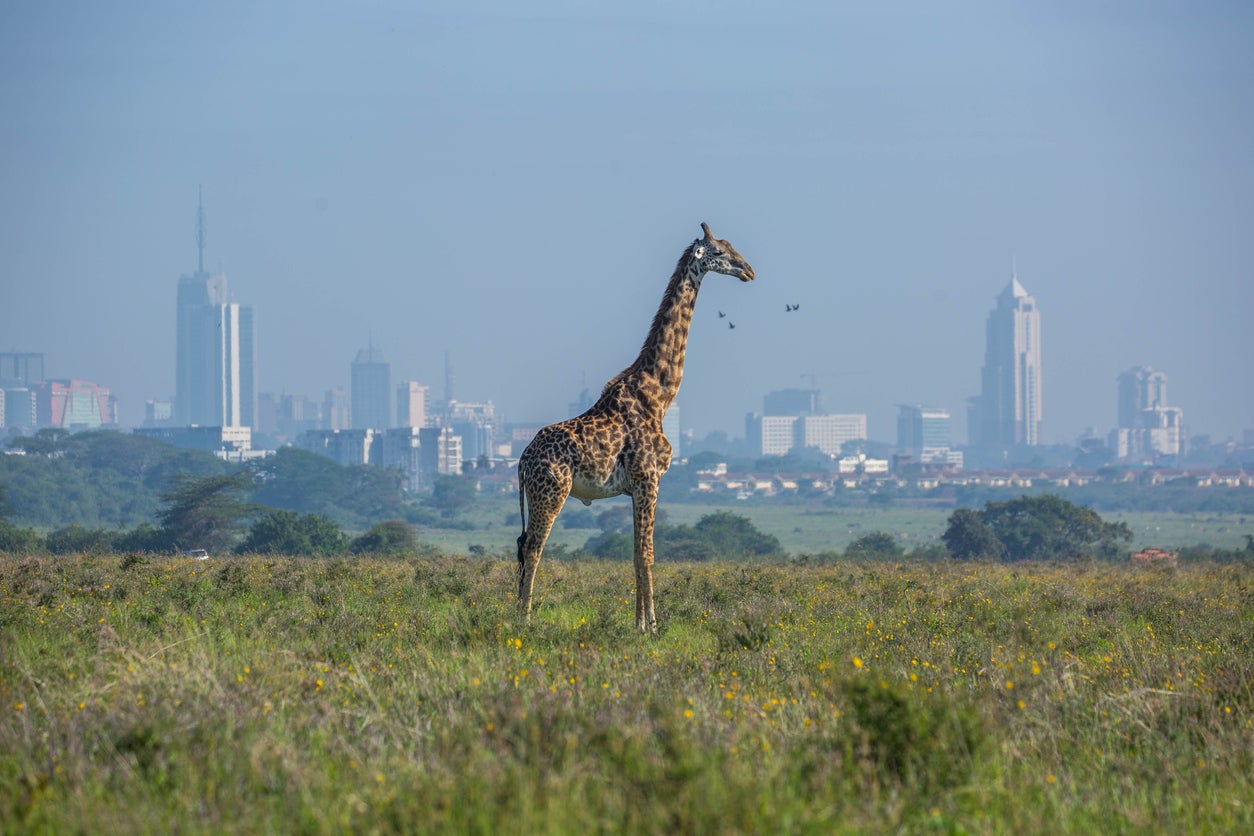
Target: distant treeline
[{"x": 107, "y": 479}]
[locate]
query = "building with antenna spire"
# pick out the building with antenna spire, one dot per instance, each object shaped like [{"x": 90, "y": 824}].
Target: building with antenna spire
[{"x": 215, "y": 348}]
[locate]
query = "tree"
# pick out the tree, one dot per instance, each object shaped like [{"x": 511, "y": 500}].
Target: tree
[
  {"x": 618, "y": 518},
  {"x": 1048, "y": 527},
  {"x": 611, "y": 545},
  {"x": 452, "y": 494},
  {"x": 389, "y": 537},
  {"x": 304, "y": 482},
  {"x": 1045, "y": 527},
  {"x": 968, "y": 538},
  {"x": 205, "y": 512},
  {"x": 734, "y": 536},
  {"x": 578, "y": 518},
  {"x": 877, "y": 545},
  {"x": 45, "y": 442},
  {"x": 289, "y": 533},
  {"x": 14, "y": 540}
]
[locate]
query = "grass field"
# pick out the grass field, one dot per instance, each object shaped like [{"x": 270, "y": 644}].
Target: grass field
[
  {"x": 263, "y": 694},
  {"x": 818, "y": 529}
]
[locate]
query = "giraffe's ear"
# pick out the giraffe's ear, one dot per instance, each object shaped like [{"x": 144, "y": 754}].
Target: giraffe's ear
[{"x": 698, "y": 252}]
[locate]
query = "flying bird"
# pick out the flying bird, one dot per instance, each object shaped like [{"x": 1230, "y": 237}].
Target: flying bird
[
  {"x": 721, "y": 314},
  {"x": 731, "y": 325},
  {"x": 788, "y": 307}
]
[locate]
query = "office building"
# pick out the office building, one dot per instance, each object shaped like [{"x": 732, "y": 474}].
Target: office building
[
  {"x": 73, "y": 404},
  {"x": 828, "y": 433},
  {"x": 215, "y": 350},
  {"x": 21, "y": 373},
  {"x": 413, "y": 404},
  {"x": 371, "y": 390},
  {"x": 1148, "y": 427},
  {"x": 19, "y": 369},
  {"x": 1007, "y": 412},
  {"x": 923, "y": 436},
  {"x": 777, "y": 435},
  {"x": 335, "y": 409}
]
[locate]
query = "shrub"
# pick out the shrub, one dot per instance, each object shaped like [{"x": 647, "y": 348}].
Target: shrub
[
  {"x": 878, "y": 545},
  {"x": 390, "y": 537}
]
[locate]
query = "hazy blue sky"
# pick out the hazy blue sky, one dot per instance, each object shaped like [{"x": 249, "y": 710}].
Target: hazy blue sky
[{"x": 513, "y": 183}]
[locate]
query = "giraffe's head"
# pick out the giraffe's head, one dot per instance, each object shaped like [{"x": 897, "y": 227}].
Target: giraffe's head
[{"x": 714, "y": 255}]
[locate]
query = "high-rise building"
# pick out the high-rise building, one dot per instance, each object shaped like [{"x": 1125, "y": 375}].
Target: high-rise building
[
  {"x": 777, "y": 435},
  {"x": 371, "y": 390},
  {"x": 1148, "y": 427},
  {"x": 1007, "y": 411},
  {"x": 73, "y": 404},
  {"x": 21, "y": 374},
  {"x": 215, "y": 351},
  {"x": 335, "y": 409},
  {"x": 922, "y": 428},
  {"x": 413, "y": 402},
  {"x": 923, "y": 435},
  {"x": 829, "y": 433},
  {"x": 475, "y": 423},
  {"x": 18, "y": 369}
]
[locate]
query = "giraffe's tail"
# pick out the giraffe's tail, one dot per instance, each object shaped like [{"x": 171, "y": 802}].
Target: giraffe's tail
[{"x": 522, "y": 513}]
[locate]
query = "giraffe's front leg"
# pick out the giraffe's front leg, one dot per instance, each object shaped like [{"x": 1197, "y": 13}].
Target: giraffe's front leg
[{"x": 644, "y": 508}]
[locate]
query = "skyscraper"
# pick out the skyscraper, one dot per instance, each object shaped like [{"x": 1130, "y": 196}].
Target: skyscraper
[
  {"x": 1007, "y": 411},
  {"x": 412, "y": 404},
  {"x": 1147, "y": 426},
  {"x": 215, "y": 352},
  {"x": 922, "y": 430},
  {"x": 371, "y": 390}
]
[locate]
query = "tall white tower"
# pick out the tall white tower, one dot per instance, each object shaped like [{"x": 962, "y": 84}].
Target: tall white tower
[{"x": 1008, "y": 410}]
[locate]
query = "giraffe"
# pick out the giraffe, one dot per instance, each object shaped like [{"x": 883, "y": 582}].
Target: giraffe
[{"x": 617, "y": 447}]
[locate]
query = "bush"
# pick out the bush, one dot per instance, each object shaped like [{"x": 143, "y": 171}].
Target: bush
[
  {"x": 14, "y": 540},
  {"x": 390, "y": 537},
  {"x": 878, "y": 545},
  {"x": 75, "y": 538},
  {"x": 289, "y": 533},
  {"x": 721, "y": 535}
]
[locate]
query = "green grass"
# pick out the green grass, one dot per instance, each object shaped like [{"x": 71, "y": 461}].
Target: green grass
[
  {"x": 263, "y": 694},
  {"x": 818, "y": 529}
]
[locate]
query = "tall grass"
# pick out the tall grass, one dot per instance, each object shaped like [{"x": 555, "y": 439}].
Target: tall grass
[{"x": 261, "y": 694}]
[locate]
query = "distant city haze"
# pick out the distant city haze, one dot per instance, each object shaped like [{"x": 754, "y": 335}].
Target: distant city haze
[{"x": 510, "y": 185}]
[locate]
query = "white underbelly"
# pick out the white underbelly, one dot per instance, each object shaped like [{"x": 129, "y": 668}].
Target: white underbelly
[{"x": 586, "y": 489}]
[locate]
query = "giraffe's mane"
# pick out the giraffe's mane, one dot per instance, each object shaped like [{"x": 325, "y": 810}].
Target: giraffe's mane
[{"x": 672, "y": 288}]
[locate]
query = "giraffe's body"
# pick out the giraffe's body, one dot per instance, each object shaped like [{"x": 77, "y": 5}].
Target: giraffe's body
[{"x": 617, "y": 447}]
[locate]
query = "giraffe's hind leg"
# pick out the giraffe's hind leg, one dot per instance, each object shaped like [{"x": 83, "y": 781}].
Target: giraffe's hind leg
[{"x": 545, "y": 498}]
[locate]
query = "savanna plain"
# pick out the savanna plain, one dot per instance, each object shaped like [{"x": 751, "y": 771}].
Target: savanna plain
[{"x": 261, "y": 694}]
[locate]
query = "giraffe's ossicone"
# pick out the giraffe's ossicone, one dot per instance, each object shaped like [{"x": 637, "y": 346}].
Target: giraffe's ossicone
[{"x": 617, "y": 447}]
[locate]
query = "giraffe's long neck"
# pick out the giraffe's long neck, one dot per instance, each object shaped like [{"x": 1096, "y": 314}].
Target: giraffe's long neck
[{"x": 659, "y": 368}]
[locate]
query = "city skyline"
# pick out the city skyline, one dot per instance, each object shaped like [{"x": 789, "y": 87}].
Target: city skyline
[{"x": 512, "y": 186}]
